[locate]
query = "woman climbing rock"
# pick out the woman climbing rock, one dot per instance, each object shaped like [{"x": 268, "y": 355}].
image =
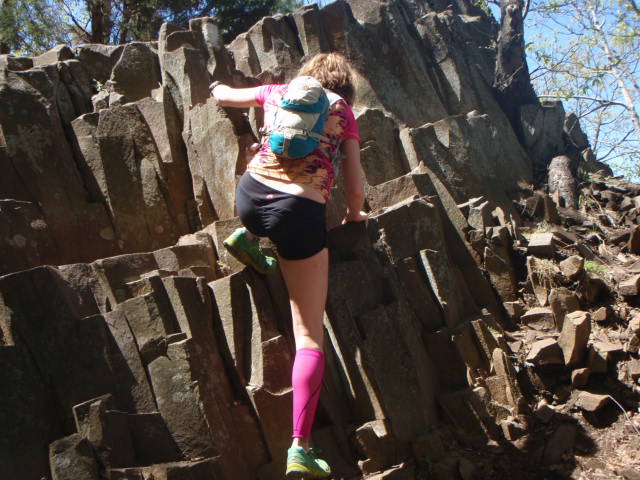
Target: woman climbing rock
[{"x": 283, "y": 196}]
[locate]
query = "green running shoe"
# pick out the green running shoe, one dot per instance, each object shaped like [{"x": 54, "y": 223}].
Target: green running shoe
[
  {"x": 301, "y": 464},
  {"x": 249, "y": 252}
]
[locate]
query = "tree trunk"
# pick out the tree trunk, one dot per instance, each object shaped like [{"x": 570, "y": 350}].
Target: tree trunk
[
  {"x": 100, "y": 14},
  {"x": 512, "y": 81},
  {"x": 124, "y": 23},
  {"x": 4, "y": 48}
]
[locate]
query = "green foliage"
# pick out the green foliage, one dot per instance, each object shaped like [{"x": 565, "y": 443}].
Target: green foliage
[
  {"x": 588, "y": 55},
  {"x": 236, "y": 17},
  {"x": 288, "y": 6},
  {"x": 595, "y": 268},
  {"x": 30, "y": 26}
]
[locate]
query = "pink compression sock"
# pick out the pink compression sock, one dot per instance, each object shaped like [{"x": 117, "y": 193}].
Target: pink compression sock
[{"x": 306, "y": 378}]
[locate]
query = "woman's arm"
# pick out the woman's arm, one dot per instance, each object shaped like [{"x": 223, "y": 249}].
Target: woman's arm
[
  {"x": 353, "y": 180},
  {"x": 227, "y": 96}
]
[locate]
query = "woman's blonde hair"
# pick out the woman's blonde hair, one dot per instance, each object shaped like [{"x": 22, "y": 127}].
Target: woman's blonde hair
[{"x": 333, "y": 71}]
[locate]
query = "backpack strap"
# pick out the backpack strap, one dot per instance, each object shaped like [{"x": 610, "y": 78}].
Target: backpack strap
[{"x": 333, "y": 98}]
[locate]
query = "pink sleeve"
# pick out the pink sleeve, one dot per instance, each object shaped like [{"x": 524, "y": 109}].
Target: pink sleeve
[
  {"x": 350, "y": 125},
  {"x": 265, "y": 91}
]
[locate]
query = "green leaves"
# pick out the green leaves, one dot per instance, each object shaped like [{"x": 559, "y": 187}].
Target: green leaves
[
  {"x": 587, "y": 52},
  {"x": 30, "y": 26},
  {"x": 33, "y": 26}
]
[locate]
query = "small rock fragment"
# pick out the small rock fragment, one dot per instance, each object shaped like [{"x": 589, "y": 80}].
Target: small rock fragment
[
  {"x": 601, "y": 315},
  {"x": 512, "y": 430},
  {"x": 593, "y": 288},
  {"x": 580, "y": 377},
  {"x": 572, "y": 267},
  {"x": 634, "y": 240},
  {"x": 542, "y": 244},
  {"x": 562, "y": 301},
  {"x": 545, "y": 352},
  {"x": 591, "y": 402},
  {"x": 574, "y": 337},
  {"x": 596, "y": 361},
  {"x": 514, "y": 311},
  {"x": 608, "y": 349},
  {"x": 543, "y": 411},
  {"x": 634, "y": 369},
  {"x": 630, "y": 286},
  {"x": 539, "y": 318},
  {"x": 630, "y": 474}
]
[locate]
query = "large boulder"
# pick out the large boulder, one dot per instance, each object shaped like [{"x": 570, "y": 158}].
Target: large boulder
[{"x": 136, "y": 73}]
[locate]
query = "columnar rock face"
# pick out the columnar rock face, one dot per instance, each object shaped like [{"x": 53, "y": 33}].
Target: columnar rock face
[{"x": 133, "y": 347}]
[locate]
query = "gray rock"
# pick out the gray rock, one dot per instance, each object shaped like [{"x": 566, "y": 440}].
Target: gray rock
[
  {"x": 164, "y": 124},
  {"x": 630, "y": 286},
  {"x": 136, "y": 73},
  {"x": 593, "y": 288},
  {"x": 502, "y": 274},
  {"x": 108, "y": 432},
  {"x": 596, "y": 360},
  {"x": 572, "y": 267},
  {"x": 382, "y": 156},
  {"x": 601, "y": 315},
  {"x": 151, "y": 320},
  {"x": 481, "y": 159},
  {"x": 592, "y": 402},
  {"x": 580, "y": 377},
  {"x": 542, "y": 244},
  {"x": 183, "y": 68},
  {"x": 574, "y": 337},
  {"x": 72, "y": 458},
  {"x": 58, "y": 53},
  {"x": 514, "y": 310},
  {"x": 213, "y": 166},
  {"x": 634, "y": 369},
  {"x": 634, "y": 240},
  {"x": 179, "y": 401},
  {"x": 121, "y": 163},
  {"x": 132, "y": 383},
  {"x": 98, "y": 59},
  {"x": 399, "y": 189},
  {"x": 16, "y": 64},
  {"x": 539, "y": 318},
  {"x": 274, "y": 48},
  {"x": 308, "y": 21},
  {"x": 542, "y": 127},
  {"x": 151, "y": 439},
  {"x": 512, "y": 430},
  {"x": 545, "y": 352},
  {"x": 379, "y": 447},
  {"x": 36, "y": 106},
  {"x": 573, "y": 130},
  {"x": 201, "y": 469},
  {"x": 562, "y": 301}
]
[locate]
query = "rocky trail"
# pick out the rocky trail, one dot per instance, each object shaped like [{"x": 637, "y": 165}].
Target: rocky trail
[{"x": 483, "y": 324}]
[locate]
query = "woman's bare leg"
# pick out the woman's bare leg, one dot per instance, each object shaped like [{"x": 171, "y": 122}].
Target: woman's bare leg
[{"x": 307, "y": 283}]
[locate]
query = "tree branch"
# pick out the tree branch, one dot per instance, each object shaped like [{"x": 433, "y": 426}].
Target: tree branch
[{"x": 605, "y": 103}]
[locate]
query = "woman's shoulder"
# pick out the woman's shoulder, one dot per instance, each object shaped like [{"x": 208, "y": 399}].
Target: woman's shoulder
[{"x": 269, "y": 90}]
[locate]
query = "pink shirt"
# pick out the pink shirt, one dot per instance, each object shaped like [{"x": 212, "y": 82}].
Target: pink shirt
[{"x": 315, "y": 169}]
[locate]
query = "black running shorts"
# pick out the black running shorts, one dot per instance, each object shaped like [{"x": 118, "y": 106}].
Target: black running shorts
[{"x": 296, "y": 225}]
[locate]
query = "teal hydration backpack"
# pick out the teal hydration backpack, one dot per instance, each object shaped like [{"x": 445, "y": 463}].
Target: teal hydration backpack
[{"x": 295, "y": 127}]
